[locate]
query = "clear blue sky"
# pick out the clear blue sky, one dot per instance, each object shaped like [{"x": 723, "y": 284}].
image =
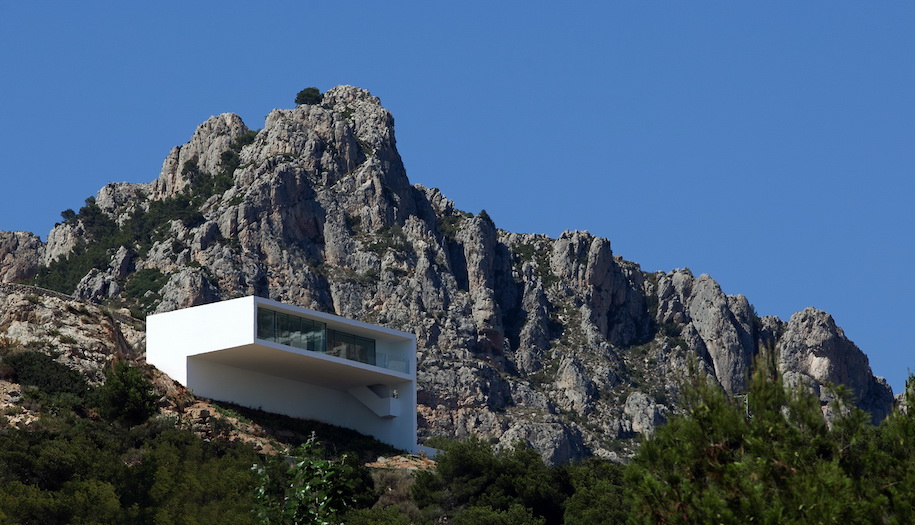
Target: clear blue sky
[{"x": 769, "y": 144}]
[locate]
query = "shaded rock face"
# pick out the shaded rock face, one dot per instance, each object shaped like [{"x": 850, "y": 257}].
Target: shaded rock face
[
  {"x": 20, "y": 255},
  {"x": 556, "y": 342}
]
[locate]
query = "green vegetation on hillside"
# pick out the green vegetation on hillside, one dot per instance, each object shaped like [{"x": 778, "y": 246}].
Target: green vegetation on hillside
[
  {"x": 313, "y": 489},
  {"x": 103, "y": 455},
  {"x": 71, "y": 466},
  {"x": 766, "y": 457},
  {"x": 98, "y": 455},
  {"x": 473, "y": 483},
  {"x": 770, "y": 457},
  {"x": 41, "y": 371}
]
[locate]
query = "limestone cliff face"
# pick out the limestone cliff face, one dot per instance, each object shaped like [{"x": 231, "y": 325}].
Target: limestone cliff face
[
  {"x": 204, "y": 149},
  {"x": 717, "y": 327},
  {"x": 814, "y": 351},
  {"x": 20, "y": 254},
  {"x": 558, "y": 342}
]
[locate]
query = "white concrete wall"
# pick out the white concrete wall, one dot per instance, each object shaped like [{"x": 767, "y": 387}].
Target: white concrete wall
[
  {"x": 177, "y": 343},
  {"x": 172, "y": 336},
  {"x": 283, "y": 396}
]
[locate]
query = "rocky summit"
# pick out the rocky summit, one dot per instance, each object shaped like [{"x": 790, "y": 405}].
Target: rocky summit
[{"x": 556, "y": 342}]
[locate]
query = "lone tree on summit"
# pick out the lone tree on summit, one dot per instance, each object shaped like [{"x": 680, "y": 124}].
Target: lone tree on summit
[{"x": 309, "y": 95}]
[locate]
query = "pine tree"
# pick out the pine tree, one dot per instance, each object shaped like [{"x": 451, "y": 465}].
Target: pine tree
[{"x": 771, "y": 457}]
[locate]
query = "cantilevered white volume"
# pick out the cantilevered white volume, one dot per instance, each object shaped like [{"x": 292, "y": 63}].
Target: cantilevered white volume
[{"x": 280, "y": 358}]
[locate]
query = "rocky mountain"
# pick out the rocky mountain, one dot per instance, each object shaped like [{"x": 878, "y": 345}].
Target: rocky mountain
[{"x": 558, "y": 342}]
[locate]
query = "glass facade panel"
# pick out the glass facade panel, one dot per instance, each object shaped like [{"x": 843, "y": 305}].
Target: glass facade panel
[
  {"x": 285, "y": 324},
  {"x": 265, "y": 324},
  {"x": 299, "y": 332},
  {"x": 313, "y": 332},
  {"x": 340, "y": 344},
  {"x": 365, "y": 350}
]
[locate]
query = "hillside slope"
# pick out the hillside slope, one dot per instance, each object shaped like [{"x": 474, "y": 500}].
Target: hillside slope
[{"x": 558, "y": 342}]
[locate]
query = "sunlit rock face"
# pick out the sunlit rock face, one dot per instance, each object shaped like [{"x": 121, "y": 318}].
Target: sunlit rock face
[
  {"x": 20, "y": 255},
  {"x": 813, "y": 350}
]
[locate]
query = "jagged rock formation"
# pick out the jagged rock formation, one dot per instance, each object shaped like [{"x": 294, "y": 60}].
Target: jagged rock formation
[
  {"x": 814, "y": 351},
  {"x": 554, "y": 341},
  {"x": 20, "y": 254}
]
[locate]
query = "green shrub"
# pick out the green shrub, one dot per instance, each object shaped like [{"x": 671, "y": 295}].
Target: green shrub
[
  {"x": 139, "y": 286},
  {"x": 309, "y": 95},
  {"x": 486, "y": 515},
  {"x": 143, "y": 281},
  {"x": 390, "y": 515},
  {"x": 448, "y": 226},
  {"x": 314, "y": 490},
  {"x": 597, "y": 493},
  {"x": 470, "y": 474},
  {"x": 771, "y": 457},
  {"x": 126, "y": 396},
  {"x": 43, "y": 372},
  {"x": 87, "y": 471}
]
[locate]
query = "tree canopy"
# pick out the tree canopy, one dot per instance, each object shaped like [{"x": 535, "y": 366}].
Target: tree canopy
[
  {"x": 309, "y": 95},
  {"x": 771, "y": 457}
]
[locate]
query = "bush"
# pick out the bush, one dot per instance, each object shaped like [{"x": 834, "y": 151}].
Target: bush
[
  {"x": 146, "y": 280},
  {"x": 86, "y": 471},
  {"x": 377, "y": 516},
  {"x": 314, "y": 490},
  {"x": 486, "y": 515},
  {"x": 597, "y": 495},
  {"x": 470, "y": 474},
  {"x": 43, "y": 372},
  {"x": 309, "y": 95},
  {"x": 126, "y": 396}
]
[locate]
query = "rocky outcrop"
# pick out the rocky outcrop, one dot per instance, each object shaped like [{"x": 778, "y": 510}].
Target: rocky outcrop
[
  {"x": 99, "y": 285},
  {"x": 185, "y": 288},
  {"x": 643, "y": 413},
  {"x": 20, "y": 255},
  {"x": 121, "y": 199},
  {"x": 556, "y": 342},
  {"x": 611, "y": 298},
  {"x": 718, "y": 328},
  {"x": 62, "y": 239},
  {"x": 203, "y": 154},
  {"x": 82, "y": 335},
  {"x": 814, "y": 351}
]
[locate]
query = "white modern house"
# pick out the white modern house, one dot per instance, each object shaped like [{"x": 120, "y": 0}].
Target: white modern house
[{"x": 264, "y": 354}]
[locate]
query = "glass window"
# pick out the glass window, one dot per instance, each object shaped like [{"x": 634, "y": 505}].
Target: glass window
[
  {"x": 299, "y": 332},
  {"x": 340, "y": 344},
  {"x": 313, "y": 335},
  {"x": 265, "y": 324},
  {"x": 285, "y": 325},
  {"x": 365, "y": 350}
]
